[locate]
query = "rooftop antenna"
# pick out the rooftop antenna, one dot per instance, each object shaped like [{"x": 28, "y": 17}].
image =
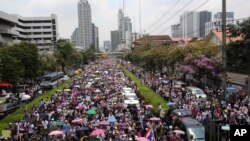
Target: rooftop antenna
[
  {"x": 124, "y": 7},
  {"x": 140, "y": 16}
]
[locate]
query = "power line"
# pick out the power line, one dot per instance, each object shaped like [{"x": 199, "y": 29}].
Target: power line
[
  {"x": 186, "y": 15},
  {"x": 167, "y": 12},
  {"x": 188, "y": 3}
]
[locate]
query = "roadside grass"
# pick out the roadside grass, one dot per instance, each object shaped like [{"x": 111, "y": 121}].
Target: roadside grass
[
  {"x": 19, "y": 113},
  {"x": 148, "y": 95}
]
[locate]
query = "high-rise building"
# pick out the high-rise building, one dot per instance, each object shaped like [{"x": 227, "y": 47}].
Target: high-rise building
[
  {"x": 175, "y": 31},
  {"x": 216, "y": 24},
  {"x": 124, "y": 26},
  {"x": 42, "y": 31},
  {"x": 84, "y": 24},
  {"x": 115, "y": 39},
  {"x": 74, "y": 37},
  {"x": 95, "y": 37},
  {"x": 107, "y": 46},
  {"x": 205, "y": 16},
  {"x": 189, "y": 24}
]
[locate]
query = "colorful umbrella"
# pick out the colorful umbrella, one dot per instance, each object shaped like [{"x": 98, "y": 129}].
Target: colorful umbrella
[
  {"x": 67, "y": 90},
  {"x": 56, "y": 132},
  {"x": 149, "y": 106},
  {"x": 141, "y": 139},
  {"x": 91, "y": 112},
  {"x": 104, "y": 123},
  {"x": 97, "y": 132},
  {"x": 5, "y": 84},
  {"x": 155, "y": 119},
  {"x": 179, "y": 132},
  {"x": 58, "y": 123},
  {"x": 77, "y": 120},
  {"x": 112, "y": 119}
]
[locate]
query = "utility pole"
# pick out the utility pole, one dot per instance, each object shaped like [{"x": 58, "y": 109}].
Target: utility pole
[{"x": 224, "y": 49}]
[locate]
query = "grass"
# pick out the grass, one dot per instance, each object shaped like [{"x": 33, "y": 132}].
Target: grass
[
  {"x": 19, "y": 113},
  {"x": 149, "y": 96}
]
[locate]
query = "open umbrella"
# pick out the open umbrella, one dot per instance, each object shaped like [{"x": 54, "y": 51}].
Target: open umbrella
[
  {"x": 56, "y": 132},
  {"x": 179, "y": 132},
  {"x": 77, "y": 120},
  {"x": 155, "y": 119},
  {"x": 112, "y": 119},
  {"x": 5, "y": 84},
  {"x": 77, "y": 86},
  {"x": 104, "y": 123},
  {"x": 149, "y": 106},
  {"x": 82, "y": 129},
  {"x": 67, "y": 90},
  {"x": 225, "y": 127},
  {"x": 141, "y": 139},
  {"x": 91, "y": 112},
  {"x": 170, "y": 103},
  {"x": 97, "y": 132},
  {"x": 58, "y": 123}
]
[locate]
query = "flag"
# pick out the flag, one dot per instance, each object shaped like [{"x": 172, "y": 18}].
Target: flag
[{"x": 150, "y": 135}]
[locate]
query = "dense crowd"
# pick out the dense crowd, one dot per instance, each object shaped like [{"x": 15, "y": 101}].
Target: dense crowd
[
  {"x": 223, "y": 112},
  {"x": 90, "y": 108}
]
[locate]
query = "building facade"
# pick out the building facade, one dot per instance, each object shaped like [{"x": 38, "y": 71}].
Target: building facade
[
  {"x": 217, "y": 22},
  {"x": 95, "y": 37},
  {"x": 205, "y": 16},
  {"x": 84, "y": 24},
  {"x": 107, "y": 46},
  {"x": 115, "y": 39},
  {"x": 41, "y": 31},
  {"x": 74, "y": 37},
  {"x": 124, "y": 26},
  {"x": 189, "y": 24},
  {"x": 175, "y": 31}
]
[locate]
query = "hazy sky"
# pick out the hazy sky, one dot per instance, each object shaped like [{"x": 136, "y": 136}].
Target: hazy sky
[{"x": 104, "y": 12}]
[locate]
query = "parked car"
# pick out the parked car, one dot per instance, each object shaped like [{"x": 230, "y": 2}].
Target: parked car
[
  {"x": 7, "y": 108},
  {"x": 127, "y": 90},
  {"x": 24, "y": 97},
  {"x": 130, "y": 99},
  {"x": 196, "y": 91},
  {"x": 4, "y": 97}
]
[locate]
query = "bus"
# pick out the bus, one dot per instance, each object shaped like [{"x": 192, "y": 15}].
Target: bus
[{"x": 50, "y": 81}]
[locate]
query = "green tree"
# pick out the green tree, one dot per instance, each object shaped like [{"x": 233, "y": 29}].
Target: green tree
[
  {"x": 27, "y": 54},
  {"x": 12, "y": 70}
]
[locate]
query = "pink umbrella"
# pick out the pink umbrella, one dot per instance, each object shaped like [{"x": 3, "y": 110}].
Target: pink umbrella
[
  {"x": 77, "y": 120},
  {"x": 97, "y": 132},
  {"x": 155, "y": 119},
  {"x": 56, "y": 132},
  {"x": 149, "y": 106},
  {"x": 141, "y": 139},
  {"x": 104, "y": 123},
  {"x": 80, "y": 107}
]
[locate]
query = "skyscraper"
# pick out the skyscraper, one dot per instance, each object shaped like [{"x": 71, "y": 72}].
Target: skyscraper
[
  {"x": 124, "y": 26},
  {"x": 175, "y": 31},
  {"x": 205, "y": 16},
  {"x": 95, "y": 37},
  {"x": 189, "y": 24},
  {"x": 84, "y": 24},
  {"x": 115, "y": 38}
]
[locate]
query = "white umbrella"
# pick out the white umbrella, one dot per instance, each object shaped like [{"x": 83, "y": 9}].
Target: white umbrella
[{"x": 179, "y": 132}]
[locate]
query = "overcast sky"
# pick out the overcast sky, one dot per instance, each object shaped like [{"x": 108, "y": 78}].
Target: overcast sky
[{"x": 157, "y": 15}]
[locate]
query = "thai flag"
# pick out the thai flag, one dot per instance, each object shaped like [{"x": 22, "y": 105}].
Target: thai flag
[{"x": 150, "y": 135}]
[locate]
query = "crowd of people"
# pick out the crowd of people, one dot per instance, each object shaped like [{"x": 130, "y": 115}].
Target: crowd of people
[
  {"x": 220, "y": 112},
  {"x": 90, "y": 108}
]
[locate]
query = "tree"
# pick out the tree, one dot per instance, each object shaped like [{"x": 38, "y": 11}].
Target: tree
[
  {"x": 27, "y": 54},
  {"x": 12, "y": 70},
  {"x": 240, "y": 29},
  {"x": 200, "y": 65},
  {"x": 63, "y": 53}
]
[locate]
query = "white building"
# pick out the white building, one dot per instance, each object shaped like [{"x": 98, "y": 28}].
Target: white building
[
  {"x": 124, "y": 26},
  {"x": 216, "y": 24},
  {"x": 175, "y": 31},
  {"x": 84, "y": 24},
  {"x": 189, "y": 24},
  {"x": 107, "y": 46},
  {"x": 42, "y": 31}
]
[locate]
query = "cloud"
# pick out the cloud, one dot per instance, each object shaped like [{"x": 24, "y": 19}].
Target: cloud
[{"x": 104, "y": 12}]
